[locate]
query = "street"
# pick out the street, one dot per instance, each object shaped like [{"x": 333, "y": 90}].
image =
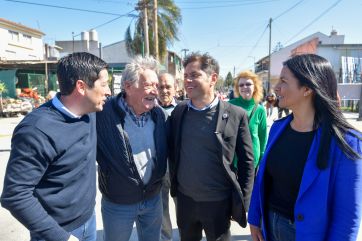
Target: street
[{"x": 12, "y": 230}]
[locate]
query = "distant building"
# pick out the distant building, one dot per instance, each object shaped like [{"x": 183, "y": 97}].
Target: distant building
[
  {"x": 346, "y": 60},
  {"x": 19, "y": 42},
  {"x": 88, "y": 43}
]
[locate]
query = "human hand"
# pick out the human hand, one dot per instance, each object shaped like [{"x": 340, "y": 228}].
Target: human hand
[
  {"x": 256, "y": 234},
  {"x": 72, "y": 238}
]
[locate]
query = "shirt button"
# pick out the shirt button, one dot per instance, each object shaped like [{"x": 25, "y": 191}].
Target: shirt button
[{"x": 300, "y": 217}]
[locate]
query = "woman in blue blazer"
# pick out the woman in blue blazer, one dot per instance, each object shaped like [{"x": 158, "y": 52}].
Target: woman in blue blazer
[{"x": 309, "y": 185}]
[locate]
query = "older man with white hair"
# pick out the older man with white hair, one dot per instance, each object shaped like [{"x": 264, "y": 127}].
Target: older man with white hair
[{"x": 132, "y": 154}]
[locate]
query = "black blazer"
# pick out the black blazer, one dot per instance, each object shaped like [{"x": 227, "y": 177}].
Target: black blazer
[{"x": 232, "y": 132}]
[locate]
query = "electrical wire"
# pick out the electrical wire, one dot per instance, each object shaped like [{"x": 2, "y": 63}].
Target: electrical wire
[
  {"x": 62, "y": 7},
  {"x": 226, "y": 6},
  {"x": 313, "y": 21},
  {"x": 288, "y": 10},
  {"x": 110, "y": 21}
]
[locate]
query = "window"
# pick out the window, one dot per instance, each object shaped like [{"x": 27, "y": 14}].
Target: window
[
  {"x": 27, "y": 39},
  {"x": 14, "y": 36}
]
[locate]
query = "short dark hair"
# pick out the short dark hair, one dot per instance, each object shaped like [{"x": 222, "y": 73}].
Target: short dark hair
[
  {"x": 207, "y": 62},
  {"x": 78, "y": 66}
]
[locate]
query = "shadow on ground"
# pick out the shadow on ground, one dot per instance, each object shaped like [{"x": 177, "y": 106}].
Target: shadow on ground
[{"x": 175, "y": 236}]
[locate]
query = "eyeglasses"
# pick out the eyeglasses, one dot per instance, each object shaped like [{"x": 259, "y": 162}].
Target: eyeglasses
[{"x": 246, "y": 85}]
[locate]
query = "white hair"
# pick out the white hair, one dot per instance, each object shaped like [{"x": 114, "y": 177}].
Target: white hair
[{"x": 133, "y": 70}]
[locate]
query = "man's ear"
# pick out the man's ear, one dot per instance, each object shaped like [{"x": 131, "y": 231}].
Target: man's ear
[
  {"x": 214, "y": 77},
  {"x": 80, "y": 86}
]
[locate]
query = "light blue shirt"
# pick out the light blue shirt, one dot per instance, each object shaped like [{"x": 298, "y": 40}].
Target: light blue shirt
[
  {"x": 59, "y": 105},
  {"x": 214, "y": 103}
]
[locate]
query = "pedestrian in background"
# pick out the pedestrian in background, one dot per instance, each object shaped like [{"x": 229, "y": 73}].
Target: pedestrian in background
[
  {"x": 309, "y": 183},
  {"x": 270, "y": 104},
  {"x": 166, "y": 99},
  {"x": 50, "y": 180},
  {"x": 248, "y": 91},
  {"x": 206, "y": 133},
  {"x": 132, "y": 155}
]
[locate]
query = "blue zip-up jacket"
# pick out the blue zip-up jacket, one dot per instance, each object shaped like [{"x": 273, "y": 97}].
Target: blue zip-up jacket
[
  {"x": 329, "y": 203},
  {"x": 118, "y": 178}
]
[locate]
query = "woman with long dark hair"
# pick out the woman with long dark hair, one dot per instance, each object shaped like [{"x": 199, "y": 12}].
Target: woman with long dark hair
[{"x": 309, "y": 185}]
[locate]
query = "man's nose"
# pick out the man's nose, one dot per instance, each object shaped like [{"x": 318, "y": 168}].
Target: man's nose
[
  {"x": 108, "y": 91},
  {"x": 154, "y": 91}
]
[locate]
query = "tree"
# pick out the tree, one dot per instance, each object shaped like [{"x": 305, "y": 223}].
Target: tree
[
  {"x": 229, "y": 81},
  {"x": 2, "y": 90},
  {"x": 169, "y": 17},
  {"x": 219, "y": 84}
]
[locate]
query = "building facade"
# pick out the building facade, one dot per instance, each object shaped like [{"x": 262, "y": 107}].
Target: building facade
[{"x": 19, "y": 42}]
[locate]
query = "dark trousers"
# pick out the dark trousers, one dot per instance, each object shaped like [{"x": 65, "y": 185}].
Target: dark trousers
[{"x": 212, "y": 217}]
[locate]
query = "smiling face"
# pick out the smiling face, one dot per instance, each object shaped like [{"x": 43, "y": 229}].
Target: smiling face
[
  {"x": 246, "y": 88},
  {"x": 197, "y": 83},
  {"x": 142, "y": 96},
  {"x": 97, "y": 95},
  {"x": 288, "y": 91},
  {"x": 166, "y": 89}
]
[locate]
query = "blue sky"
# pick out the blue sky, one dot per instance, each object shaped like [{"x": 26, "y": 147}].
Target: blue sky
[{"x": 233, "y": 31}]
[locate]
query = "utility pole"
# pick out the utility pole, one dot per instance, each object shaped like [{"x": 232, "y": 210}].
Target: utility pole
[
  {"x": 185, "y": 51},
  {"x": 142, "y": 5},
  {"x": 73, "y": 40},
  {"x": 155, "y": 29},
  {"x": 270, "y": 32}
]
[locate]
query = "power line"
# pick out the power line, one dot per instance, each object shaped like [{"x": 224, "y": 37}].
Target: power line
[
  {"x": 62, "y": 7},
  {"x": 227, "y": 1},
  {"x": 110, "y": 21},
  {"x": 226, "y": 6},
  {"x": 313, "y": 21},
  {"x": 289, "y": 9}
]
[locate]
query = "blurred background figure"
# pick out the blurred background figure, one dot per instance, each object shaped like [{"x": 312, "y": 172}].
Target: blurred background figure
[{"x": 270, "y": 103}]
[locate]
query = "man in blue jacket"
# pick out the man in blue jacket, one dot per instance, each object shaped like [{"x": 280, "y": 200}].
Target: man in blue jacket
[
  {"x": 132, "y": 154},
  {"x": 50, "y": 181}
]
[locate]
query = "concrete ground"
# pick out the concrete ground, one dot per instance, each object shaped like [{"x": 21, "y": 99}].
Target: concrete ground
[{"x": 12, "y": 230}]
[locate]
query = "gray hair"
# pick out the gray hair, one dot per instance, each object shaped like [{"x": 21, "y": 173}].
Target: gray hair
[
  {"x": 133, "y": 70},
  {"x": 164, "y": 73}
]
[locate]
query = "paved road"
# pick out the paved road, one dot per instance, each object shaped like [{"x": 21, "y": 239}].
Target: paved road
[{"x": 12, "y": 230}]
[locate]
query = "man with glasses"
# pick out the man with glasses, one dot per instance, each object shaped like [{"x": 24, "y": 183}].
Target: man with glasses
[
  {"x": 205, "y": 134},
  {"x": 132, "y": 154}
]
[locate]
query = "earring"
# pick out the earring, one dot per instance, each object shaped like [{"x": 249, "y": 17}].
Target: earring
[{"x": 305, "y": 94}]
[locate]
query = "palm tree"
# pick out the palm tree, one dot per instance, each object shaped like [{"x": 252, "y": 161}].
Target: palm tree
[{"x": 169, "y": 17}]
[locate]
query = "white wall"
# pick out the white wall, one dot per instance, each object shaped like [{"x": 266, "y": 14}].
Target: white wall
[
  {"x": 282, "y": 55},
  {"x": 21, "y": 48},
  {"x": 116, "y": 53}
]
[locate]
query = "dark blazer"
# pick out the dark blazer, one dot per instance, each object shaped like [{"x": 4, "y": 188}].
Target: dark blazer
[{"x": 232, "y": 132}]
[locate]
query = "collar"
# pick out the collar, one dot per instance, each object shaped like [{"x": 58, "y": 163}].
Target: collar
[
  {"x": 172, "y": 104},
  {"x": 214, "y": 103},
  {"x": 139, "y": 120},
  {"x": 59, "y": 106}
]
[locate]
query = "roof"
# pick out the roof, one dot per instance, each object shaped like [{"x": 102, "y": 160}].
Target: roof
[{"x": 20, "y": 26}]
